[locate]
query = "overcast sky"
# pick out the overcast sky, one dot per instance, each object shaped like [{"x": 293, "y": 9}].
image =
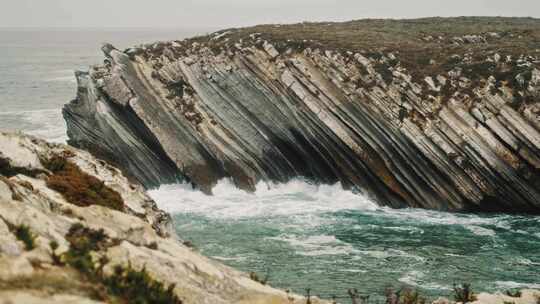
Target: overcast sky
[{"x": 230, "y": 13}]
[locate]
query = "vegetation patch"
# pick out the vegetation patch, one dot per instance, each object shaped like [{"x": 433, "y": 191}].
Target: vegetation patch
[
  {"x": 464, "y": 293},
  {"x": 139, "y": 287},
  {"x": 82, "y": 242},
  {"x": 126, "y": 285},
  {"x": 78, "y": 187},
  {"x": 25, "y": 235},
  {"x": 405, "y": 38},
  {"x": 404, "y": 296},
  {"x": 513, "y": 293},
  {"x": 8, "y": 170},
  {"x": 255, "y": 277}
]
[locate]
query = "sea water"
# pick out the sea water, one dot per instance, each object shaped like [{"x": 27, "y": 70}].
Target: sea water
[
  {"x": 299, "y": 235},
  {"x": 322, "y": 237}
]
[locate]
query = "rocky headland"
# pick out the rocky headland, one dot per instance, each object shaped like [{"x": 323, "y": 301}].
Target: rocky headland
[{"x": 438, "y": 113}]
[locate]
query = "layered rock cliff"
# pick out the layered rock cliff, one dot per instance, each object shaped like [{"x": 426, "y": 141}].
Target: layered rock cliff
[
  {"x": 65, "y": 239},
  {"x": 432, "y": 113}
]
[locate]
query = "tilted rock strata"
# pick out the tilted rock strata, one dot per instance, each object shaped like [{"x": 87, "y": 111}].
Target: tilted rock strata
[
  {"x": 250, "y": 112},
  {"x": 142, "y": 234}
]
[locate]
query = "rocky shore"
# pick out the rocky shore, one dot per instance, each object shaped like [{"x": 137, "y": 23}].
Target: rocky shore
[
  {"x": 73, "y": 229},
  {"x": 65, "y": 239},
  {"x": 432, "y": 113}
]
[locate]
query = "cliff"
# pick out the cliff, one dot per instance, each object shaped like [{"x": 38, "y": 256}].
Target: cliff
[
  {"x": 432, "y": 113},
  {"x": 74, "y": 230}
]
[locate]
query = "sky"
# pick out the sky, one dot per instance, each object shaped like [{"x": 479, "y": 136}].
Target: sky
[{"x": 233, "y": 13}]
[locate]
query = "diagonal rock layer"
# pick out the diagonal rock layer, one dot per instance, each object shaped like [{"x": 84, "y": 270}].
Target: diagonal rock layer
[{"x": 426, "y": 118}]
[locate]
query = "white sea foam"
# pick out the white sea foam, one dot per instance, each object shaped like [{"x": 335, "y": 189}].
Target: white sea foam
[
  {"x": 512, "y": 284},
  {"x": 383, "y": 254},
  {"x": 472, "y": 222},
  {"x": 296, "y": 197},
  {"x": 480, "y": 231},
  {"x": 316, "y": 245},
  {"x": 415, "y": 278},
  {"x": 222, "y": 258}
]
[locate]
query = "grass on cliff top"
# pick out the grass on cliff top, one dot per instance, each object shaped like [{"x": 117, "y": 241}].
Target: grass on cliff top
[
  {"x": 78, "y": 187},
  {"x": 403, "y": 37}
]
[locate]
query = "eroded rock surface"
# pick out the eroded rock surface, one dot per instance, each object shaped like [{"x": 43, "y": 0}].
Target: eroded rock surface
[
  {"x": 449, "y": 124},
  {"x": 40, "y": 227}
]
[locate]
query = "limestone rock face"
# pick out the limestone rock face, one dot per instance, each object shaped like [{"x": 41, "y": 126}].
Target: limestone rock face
[
  {"x": 251, "y": 107},
  {"x": 141, "y": 237}
]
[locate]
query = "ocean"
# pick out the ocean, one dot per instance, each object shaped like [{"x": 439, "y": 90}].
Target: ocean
[{"x": 298, "y": 235}]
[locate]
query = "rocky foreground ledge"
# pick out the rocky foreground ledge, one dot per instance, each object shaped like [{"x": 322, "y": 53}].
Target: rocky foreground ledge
[
  {"x": 74, "y": 230},
  {"x": 432, "y": 113}
]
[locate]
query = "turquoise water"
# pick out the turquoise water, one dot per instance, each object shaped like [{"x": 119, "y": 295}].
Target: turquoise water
[
  {"x": 329, "y": 240},
  {"x": 303, "y": 236}
]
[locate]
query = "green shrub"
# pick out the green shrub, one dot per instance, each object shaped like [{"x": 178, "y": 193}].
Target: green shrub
[
  {"x": 126, "y": 285},
  {"x": 404, "y": 296},
  {"x": 78, "y": 187},
  {"x": 23, "y": 233},
  {"x": 409, "y": 296},
  {"x": 513, "y": 294},
  {"x": 82, "y": 241},
  {"x": 464, "y": 293},
  {"x": 56, "y": 259},
  {"x": 139, "y": 287},
  {"x": 255, "y": 277}
]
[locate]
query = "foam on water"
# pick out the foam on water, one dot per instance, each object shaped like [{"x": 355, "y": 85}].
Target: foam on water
[
  {"x": 316, "y": 245},
  {"x": 296, "y": 197},
  {"x": 513, "y": 285}
]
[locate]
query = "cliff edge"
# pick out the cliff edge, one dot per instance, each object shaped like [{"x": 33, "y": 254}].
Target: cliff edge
[{"x": 74, "y": 230}]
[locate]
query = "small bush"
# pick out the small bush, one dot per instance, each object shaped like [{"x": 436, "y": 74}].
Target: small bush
[
  {"x": 255, "y": 277},
  {"x": 412, "y": 297},
  {"x": 153, "y": 246},
  {"x": 513, "y": 294},
  {"x": 139, "y": 287},
  {"x": 126, "y": 285},
  {"x": 24, "y": 234},
  {"x": 404, "y": 296},
  {"x": 464, "y": 293},
  {"x": 56, "y": 259},
  {"x": 82, "y": 241},
  {"x": 79, "y": 188}
]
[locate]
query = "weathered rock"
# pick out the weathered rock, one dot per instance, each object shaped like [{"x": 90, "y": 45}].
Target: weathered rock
[
  {"x": 527, "y": 296},
  {"x": 454, "y": 140},
  {"x": 141, "y": 236}
]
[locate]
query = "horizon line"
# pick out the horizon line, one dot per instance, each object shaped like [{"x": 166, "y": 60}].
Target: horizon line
[{"x": 218, "y": 27}]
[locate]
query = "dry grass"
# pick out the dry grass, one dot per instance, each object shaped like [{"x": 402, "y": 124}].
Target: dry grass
[
  {"x": 53, "y": 281},
  {"x": 78, "y": 187},
  {"x": 404, "y": 38}
]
